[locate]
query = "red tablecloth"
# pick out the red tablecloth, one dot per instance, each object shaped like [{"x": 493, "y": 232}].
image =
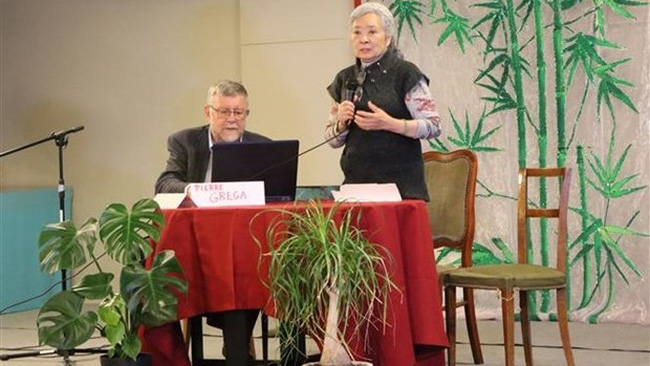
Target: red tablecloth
[{"x": 220, "y": 259}]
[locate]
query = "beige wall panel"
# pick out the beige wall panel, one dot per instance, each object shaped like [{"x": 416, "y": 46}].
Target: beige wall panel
[
  {"x": 291, "y": 51},
  {"x": 289, "y": 100},
  {"x": 293, "y": 21}
]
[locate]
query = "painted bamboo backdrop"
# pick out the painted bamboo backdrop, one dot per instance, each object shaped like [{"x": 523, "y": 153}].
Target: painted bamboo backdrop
[{"x": 549, "y": 83}]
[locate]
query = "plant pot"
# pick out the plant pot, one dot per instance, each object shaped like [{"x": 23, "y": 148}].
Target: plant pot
[
  {"x": 143, "y": 359},
  {"x": 354, "y": 363}
]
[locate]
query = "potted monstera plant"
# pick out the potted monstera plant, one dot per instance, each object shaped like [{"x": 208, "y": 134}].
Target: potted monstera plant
[
  {"x": 146, "y": 296},
  {"x": 325, "y": 278}
]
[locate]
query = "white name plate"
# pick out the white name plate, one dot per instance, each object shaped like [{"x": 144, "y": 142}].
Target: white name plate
[
  {"x": 168, "y": 201},
  {"x": 368, "y": 192},
  {"x": 226, "y": 193}
]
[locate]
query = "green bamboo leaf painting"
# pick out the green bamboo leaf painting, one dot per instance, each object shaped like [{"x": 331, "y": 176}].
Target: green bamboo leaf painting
[
  {"x": 495, "y": 16},
  {"x": 598, "y": 247},
  {"x": 609, "y": 185},
  {"x": 467, "y": 139},
  {"x": 599, "y": 21},
  {"x": 501, "y": 59},
  {"x": 438, "y": 145},
  {"x": 633, "y": 3},
  {"x": 478, "y": 136},
  {"x": 528, "y": 5},
  {"x": 617, "y": 7},
  {"x": 409, "y": 11},
  {"x": 508, "y": 255},
  {"x": 594, "y": 227},
  {"x": 582, "y": 254},
  {"x": 611, "y": 262},
  {"x": 582, "y": 50},
  {"x": 501, "y": 99},
  {"x": 612, "y": 229},
  {"x": 613, "y": 246},
  {"x": 608, "y": 87},
  {"x": 481, "y": 255},
  {"x": 433, "y": 4},
  {"x": 604, "y": 234},
  {"x": 458, "y": 26},
  {"x": 568, "y": 4}
]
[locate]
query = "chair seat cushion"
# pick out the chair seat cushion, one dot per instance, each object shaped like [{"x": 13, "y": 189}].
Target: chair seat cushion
[
  {"x": 445, "y": 268},
  {"x": 507, "y": 276}
]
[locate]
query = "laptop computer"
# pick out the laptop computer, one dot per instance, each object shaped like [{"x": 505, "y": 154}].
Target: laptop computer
[{"x": 274, "y": 162}]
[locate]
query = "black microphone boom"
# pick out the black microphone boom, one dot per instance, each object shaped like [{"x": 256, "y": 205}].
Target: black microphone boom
[{"x": 60, "y": 134}]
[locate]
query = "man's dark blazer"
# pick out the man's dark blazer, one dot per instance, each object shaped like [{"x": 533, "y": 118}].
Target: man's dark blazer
[{"x": 188, "y": 158}]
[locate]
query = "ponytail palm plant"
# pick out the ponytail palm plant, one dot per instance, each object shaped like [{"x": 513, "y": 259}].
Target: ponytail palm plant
[
  {"x": 145, "y": 297},
  {"x": 325, "y": 278}
]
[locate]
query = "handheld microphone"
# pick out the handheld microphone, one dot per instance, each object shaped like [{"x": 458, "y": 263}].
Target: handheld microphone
[{"x": 351, "y": 91}]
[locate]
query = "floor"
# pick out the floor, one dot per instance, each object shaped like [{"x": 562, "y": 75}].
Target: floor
[{"x": 602, "y": 344}]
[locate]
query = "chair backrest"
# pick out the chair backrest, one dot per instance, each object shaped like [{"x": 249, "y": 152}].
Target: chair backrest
[
  {"x": 527, "y": 209},
  {"x": 451, "y": 182}
]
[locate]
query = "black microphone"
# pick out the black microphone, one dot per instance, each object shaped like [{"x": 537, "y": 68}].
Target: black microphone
[{"x": 351, "y": 91}]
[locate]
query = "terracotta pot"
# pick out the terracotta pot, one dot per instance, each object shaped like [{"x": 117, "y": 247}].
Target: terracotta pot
[{"x": 143, "y": 359}]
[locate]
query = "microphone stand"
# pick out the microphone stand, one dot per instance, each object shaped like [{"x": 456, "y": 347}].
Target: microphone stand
[{"x": 61, "y": 140}]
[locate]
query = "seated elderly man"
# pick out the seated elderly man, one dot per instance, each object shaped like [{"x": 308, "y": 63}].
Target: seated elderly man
[{"x": 190, "y": 155}]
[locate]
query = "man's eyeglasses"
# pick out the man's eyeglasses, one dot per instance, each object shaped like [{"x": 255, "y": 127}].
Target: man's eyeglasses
[{"x": 225, "y": 112}]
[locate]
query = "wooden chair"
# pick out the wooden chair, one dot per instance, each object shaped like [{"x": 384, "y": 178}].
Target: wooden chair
[
  {"x": 451, "y": 182},
  {"x": 521, "y": 276}
]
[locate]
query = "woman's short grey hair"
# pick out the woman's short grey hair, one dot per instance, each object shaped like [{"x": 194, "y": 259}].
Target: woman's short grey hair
[
  {"x": 226, "y": 88},
  {"x": 387, "y": 19}
]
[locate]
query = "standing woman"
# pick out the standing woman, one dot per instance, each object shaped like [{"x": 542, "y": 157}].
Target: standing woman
[{"x": 381, "y": 108}]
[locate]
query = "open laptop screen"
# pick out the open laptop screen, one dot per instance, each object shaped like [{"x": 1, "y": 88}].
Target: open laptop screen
[{"x": 274, "y": 162}]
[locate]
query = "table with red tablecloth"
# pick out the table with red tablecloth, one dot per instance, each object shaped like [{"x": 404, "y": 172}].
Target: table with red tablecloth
[{"x": 220, "y": 260}]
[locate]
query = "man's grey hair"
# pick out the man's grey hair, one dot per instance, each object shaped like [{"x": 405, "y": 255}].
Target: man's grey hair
[
  {"x": 387, "y": 19},
  {"x": 227, "y": 88}
]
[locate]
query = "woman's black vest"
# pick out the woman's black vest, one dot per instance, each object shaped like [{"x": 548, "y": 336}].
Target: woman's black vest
[{"x": 382, "y": 156}]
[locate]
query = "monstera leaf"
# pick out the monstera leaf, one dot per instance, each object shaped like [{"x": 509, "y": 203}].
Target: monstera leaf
[
  {"x": 62, "y": 322},
  {"x": 126, "y": 234},
  {"x": 148, "y": 293},
  {"x": 95, "y": 286},
  {"x": 61, "y": 245}
]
